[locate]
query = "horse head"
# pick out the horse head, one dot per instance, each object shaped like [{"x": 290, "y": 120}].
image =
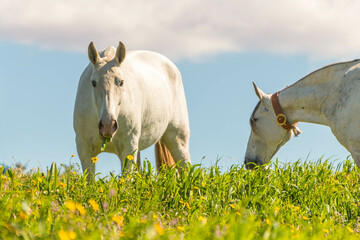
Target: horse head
[
  {"x": 107, "y": 86},
  {"x": 266, "y": 136}
]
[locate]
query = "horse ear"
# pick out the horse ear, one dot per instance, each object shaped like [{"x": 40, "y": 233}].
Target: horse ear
[
  {"x": 258, "y": 92},
  {"x": 93, "y": 54},
  {"x": 120, "y": 53}
]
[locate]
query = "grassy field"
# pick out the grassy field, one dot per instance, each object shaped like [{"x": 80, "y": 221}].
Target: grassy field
[{"x": 292, "y": 201}]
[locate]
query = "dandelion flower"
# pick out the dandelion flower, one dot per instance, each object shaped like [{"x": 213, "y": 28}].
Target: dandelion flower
[
  {"x": 72, "y": 235},
  {"x": 94, "y": 205},
  {"x": 350, "y": 229},
  {"x": 72, "y": 155},
  {"x": 180, "y": 228},
  {"x": 63, "y": 235},
  {"x": 305, "y": 218},
  {"x": 80, "y": 208},
  {"x": 22, "y": 215},
  {"x": 130, "y": 157},
  {"x": 159, "y": 228},
  {"x": 202, "y": 219},
  {"x": 62, "y": 185},
  {"x": 118, "y": 220},
  {"x": 94, "y": 159},
  {"x": 70, "y": 205}
]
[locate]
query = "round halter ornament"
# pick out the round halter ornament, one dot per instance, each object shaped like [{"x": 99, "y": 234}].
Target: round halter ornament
[{"x": 281, "y": 119}]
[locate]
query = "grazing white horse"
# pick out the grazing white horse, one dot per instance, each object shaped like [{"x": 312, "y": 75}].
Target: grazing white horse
[
  {"x": 329, "y": 96},
  {"x": 135, "y": 99}
]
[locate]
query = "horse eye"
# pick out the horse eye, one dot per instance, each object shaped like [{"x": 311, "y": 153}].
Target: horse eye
[
  {"x": 119, "y": 82},
  {"x": 253, "y": 120},
  {"x": 93, "y": 83}
]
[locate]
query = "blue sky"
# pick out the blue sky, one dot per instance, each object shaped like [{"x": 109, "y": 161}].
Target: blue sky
[{"x": 219, "y": 52}]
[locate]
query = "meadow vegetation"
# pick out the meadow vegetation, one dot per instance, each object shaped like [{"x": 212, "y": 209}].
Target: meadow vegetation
[{"x": 311, "y": 200}]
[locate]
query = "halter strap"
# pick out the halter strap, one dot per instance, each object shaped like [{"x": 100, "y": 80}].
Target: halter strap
[{"x": 281, "y": 119}]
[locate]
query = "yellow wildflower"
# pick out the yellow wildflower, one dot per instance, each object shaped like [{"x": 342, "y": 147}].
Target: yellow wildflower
[
  {"x": 122, "y": 180},
  {"x": 94, "y": 205},
  {"x": 94, "y": 159},
  {"x": 296, "y": 209},
  {"x": 67, "y": 235},
  {"x": 72, "y": 155},
  {"x": 267, "y": 221},
  {"x": 22, "y": 215},
  {"x": 39, "y": 179},
  {"x": 118, "y": 220},
  {"x": 202, "y": 219},
  {"x": 155, "y": 216},
  {"x": 350, "y": 229},
  {"x": 130, "y": 157},
  {"x": 72, "y": 235},
  {"x": 159, "y": 228},
  {"x": 63, "y": 235},
  {"x": 70, "y": 205},
  {"x": 80, "y": 208},
  {"x": 305, "y": 218},
  {"x": 202, "y": 198},
  {"x": 62, "y": 185},
  {"x": 180, "y": 228},
  {"x": 232, "y": 206}
]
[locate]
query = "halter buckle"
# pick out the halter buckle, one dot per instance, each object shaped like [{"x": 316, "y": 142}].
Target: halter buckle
[{"x": 280, "y": 119}]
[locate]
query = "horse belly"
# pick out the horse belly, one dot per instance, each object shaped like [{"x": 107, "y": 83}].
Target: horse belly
[{"x": 152, "y": 129}]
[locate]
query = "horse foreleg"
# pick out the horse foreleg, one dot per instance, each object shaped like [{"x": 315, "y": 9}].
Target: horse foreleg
[
  {"x": 129, "y": 157},
  {"x": 86, "y": 154},
  {"x": 356, "y": 156}
]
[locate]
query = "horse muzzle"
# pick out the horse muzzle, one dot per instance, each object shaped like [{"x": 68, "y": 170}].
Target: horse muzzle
[
  {"x": 107, "y": 128},
  {"x": 251, "y": 163}
]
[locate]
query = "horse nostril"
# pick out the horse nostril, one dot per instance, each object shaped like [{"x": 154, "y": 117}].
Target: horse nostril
[
  {"x": 101, "y": 125},
  {"x": 115, "y": 125}
]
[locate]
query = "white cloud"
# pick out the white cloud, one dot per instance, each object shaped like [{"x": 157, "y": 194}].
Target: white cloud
[{"x": 188, "y": 28}]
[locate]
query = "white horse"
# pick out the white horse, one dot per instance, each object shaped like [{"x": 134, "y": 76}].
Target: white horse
[
  {"x": 135, "y": 99},
  {"x": 329, "y": 96}
]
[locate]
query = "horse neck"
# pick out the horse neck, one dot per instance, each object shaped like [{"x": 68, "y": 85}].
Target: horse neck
[{"x": 305, "y": 102}]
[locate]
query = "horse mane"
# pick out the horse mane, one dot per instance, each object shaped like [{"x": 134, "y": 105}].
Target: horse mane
[{"x": 337, "y": 64}]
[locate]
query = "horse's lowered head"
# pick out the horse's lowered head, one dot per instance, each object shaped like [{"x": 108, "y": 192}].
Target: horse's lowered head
[
  {"x": 107, "y": 85},
  {"x": 266, "y": 136}
]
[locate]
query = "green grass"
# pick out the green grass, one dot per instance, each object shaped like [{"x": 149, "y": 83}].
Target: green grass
[{"x": 292, "y": 201}]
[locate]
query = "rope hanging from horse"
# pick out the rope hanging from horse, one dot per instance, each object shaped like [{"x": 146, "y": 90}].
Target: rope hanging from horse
[{"x": 281, "y": 119}]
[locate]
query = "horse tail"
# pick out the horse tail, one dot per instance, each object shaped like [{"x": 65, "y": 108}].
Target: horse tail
[{"x": 163, "y": 156}]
